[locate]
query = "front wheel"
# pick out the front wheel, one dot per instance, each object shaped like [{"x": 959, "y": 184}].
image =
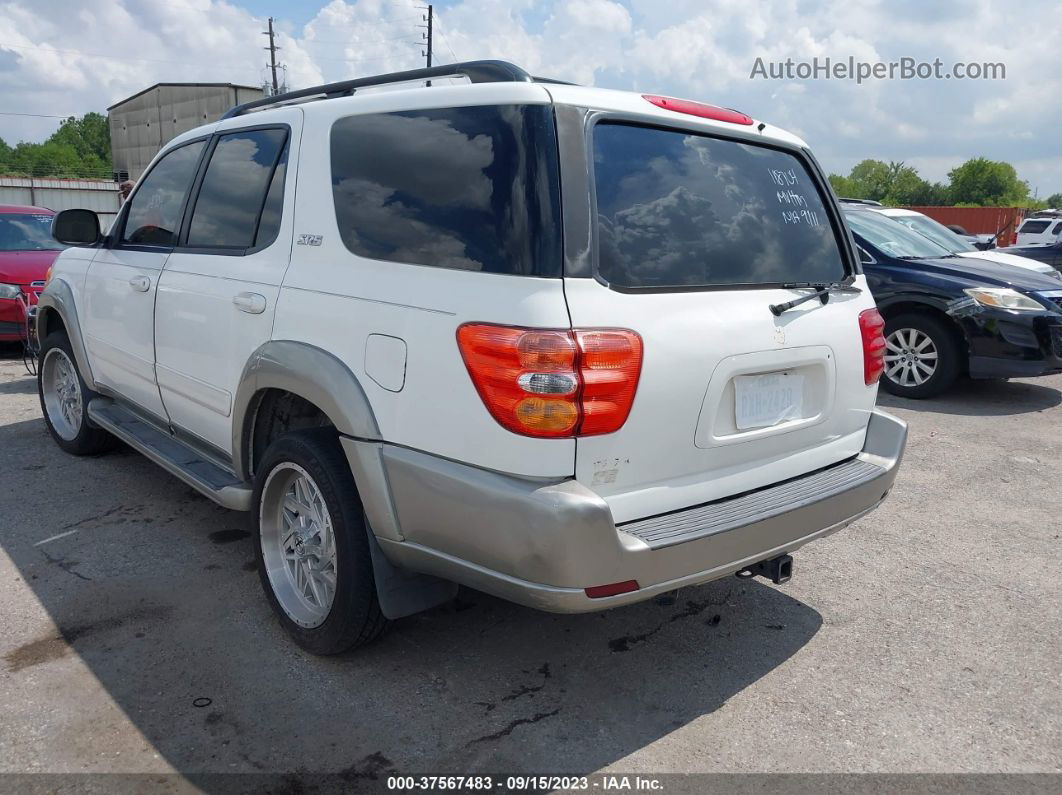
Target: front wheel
[
  {"x": 65, "y": 397},
  {"x": 922, "y": 356},
  {"x": 312, "y": 549}
]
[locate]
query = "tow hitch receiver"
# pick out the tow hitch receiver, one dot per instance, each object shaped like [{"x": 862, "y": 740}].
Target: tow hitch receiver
[{"x": 778, "y": 570}]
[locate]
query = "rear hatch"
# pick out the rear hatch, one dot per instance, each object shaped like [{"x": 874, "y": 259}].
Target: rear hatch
[{"x": 695, "y": 238}]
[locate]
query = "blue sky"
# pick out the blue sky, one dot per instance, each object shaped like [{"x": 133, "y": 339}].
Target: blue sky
[{"x": 65, "y": 56}]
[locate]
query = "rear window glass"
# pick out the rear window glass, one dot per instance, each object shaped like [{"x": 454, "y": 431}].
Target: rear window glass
[
  {"x": 676, "y": 209},
  {"x": 466, "y": 188},
  {"x": 1034, "y": 227},
  {"x": 1057, "y": 230}
]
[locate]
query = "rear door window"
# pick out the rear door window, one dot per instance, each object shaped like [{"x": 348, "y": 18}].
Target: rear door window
[
  {"x": 471, "y": 188},
  {"x": 234, "y": 190},
  {"x": 683, "y": 210},
  {"x": 155, "y": 209}
]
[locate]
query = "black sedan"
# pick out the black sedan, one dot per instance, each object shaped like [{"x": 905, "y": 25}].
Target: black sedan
[{"x": 947, "y": 315}]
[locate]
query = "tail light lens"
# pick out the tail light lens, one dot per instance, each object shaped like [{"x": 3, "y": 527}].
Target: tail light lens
[
  {"x": 553, "y": 383},
  {"x": 872, "y": 329}
]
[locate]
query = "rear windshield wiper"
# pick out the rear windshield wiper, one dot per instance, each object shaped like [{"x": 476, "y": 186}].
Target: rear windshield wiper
[{"x": 822, "y": 292}]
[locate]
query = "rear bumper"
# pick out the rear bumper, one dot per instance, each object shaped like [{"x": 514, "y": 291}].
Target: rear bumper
[{"x": 540, "y": 543}]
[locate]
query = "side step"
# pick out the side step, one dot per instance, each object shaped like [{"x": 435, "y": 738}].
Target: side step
[{"x": 171, "y": 454}]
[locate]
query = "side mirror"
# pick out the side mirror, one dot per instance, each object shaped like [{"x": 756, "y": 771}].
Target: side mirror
[{"x": 77, "y": 227}]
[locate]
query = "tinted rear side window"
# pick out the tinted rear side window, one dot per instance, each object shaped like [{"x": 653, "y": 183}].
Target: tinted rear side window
[
  {"x": 1033, "y": 227},
  {"x": 677, "y": 209},
  {"x": 1057, "y": 230},
  {"x": 234, "y": 189},
  {"x": 467, "y": 188}
]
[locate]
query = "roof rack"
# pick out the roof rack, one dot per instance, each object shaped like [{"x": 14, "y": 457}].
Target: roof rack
[
  {"x": 475, "y": 71},
  {"x": 869, "y": 202}
]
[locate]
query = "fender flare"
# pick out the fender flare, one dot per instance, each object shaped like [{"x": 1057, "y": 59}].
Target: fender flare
[
  {"x": 58, "y": 298},
  {"x": 309, "y": 372}
]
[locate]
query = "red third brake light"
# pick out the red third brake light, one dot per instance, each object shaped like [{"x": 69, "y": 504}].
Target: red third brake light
[
  {"x": 872, "y": 330},
  {"x": 553, "y": 383},
  {"x": 699, "y": 109}
]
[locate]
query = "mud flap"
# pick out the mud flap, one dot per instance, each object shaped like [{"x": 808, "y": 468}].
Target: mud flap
[{"x": 402, "y": 593}]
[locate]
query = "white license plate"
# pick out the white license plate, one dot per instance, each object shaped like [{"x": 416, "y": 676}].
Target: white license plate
[{"x": 764, "y": 400}]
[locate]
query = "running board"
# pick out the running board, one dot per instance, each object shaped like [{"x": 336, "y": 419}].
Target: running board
[{"x": 171, "y": 454}]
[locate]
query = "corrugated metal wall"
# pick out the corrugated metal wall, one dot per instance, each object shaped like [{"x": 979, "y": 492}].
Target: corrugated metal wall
[
  {"x": 979, "y": 220},
  {"x": 63, "y": 194},
  {"x": 142, "y": 124}
]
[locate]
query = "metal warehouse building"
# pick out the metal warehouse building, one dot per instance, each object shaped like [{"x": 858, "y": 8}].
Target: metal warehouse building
[{"x": 141, "y": 124}]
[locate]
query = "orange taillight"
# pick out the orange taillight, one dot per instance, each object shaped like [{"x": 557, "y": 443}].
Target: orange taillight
[{"x": 553, "y": 382}]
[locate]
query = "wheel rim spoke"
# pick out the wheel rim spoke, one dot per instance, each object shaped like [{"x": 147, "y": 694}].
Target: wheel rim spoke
[{"x": 298, "y": 544}]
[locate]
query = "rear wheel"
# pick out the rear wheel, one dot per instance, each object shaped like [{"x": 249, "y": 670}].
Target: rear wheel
[
  {"x": 65, "y": 398},
  {"x": 922, "y": 356},
  {"x": 313, "y": 551}
]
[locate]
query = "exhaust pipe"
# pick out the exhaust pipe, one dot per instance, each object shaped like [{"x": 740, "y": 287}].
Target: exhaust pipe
[{"x": 778, "y": 570}]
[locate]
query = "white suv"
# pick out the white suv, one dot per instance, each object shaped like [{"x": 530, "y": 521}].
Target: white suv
[
  {"x": 1040, "y": 230},
  {"x": 569, "y": 346}
]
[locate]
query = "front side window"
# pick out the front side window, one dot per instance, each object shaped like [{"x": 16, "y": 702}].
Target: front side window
[
  {"x": 27, "y": 232},
  {"x": 155, "y": 209},
  {"x": 683, "y": 210},
  {"x": 234, "y": 190},
  {"x": 467, "y": 188}
]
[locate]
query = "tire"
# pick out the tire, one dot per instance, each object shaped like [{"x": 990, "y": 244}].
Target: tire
[
  {"x": 923, "y": 355},
  {"x": 322, "y": 542},
  {"x": 65, "y": 397}
]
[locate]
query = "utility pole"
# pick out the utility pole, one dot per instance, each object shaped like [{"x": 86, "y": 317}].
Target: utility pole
[
  {"x": 272, "y": 55},
  {"x": 431, "y": 17},
  {"x": 427, "y": 38}
]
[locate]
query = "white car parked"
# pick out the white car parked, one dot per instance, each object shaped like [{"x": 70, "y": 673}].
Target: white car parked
[
  {"x": 1039, "y": 231},
  {"x": 569, "y": 346},
  {"x": 943, "y": 236}
]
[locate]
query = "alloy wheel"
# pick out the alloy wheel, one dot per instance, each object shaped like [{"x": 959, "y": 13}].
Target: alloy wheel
[
  {"x": 298, "y": 544},
  {"x": 61, "y": 388},
  {"x": 910, "y": 357}
]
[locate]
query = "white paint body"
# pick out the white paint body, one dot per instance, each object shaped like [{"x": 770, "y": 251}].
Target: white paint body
[{"x": 179, "y": 350}]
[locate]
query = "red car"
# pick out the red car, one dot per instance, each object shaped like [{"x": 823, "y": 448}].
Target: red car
[{"x": 27, "y": 250}]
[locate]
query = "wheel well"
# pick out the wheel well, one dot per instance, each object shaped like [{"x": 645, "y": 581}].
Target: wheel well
[
  {"x": 916, "y": 307},
  {"x": 275, "y": 413},
  {"x": 52, "y": 321}
]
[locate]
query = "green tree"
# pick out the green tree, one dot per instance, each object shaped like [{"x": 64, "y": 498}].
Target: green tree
[
  {"x": 889, "y": 183},
  {"x": 79, "y": 148},
  {"x": 1054, "y": 200},
  {"x": 90, "y": 136},
  {"x": 987, "y": 183}
]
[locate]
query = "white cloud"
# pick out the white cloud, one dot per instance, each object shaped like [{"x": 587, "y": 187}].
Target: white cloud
[{"x": 67, "y": 56}]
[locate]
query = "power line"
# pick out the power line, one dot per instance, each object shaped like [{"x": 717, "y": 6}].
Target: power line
[{"x": 37, "y": 115}]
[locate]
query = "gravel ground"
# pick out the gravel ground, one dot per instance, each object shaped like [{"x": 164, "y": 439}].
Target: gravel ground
[{"x": 135, "y": 637}]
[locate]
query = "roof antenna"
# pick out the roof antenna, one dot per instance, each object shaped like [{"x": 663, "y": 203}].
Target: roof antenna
[{"x": 760, "y": 126}]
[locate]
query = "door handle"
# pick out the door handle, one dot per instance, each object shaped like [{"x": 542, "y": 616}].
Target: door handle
[
  {"x": 252, "y": 303},
  {"x": 140, "y": 283}
]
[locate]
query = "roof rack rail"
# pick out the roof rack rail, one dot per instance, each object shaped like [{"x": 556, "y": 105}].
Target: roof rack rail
[
  {"x": 475, "y": 71},
  {"x": 870, "y": 202}
]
